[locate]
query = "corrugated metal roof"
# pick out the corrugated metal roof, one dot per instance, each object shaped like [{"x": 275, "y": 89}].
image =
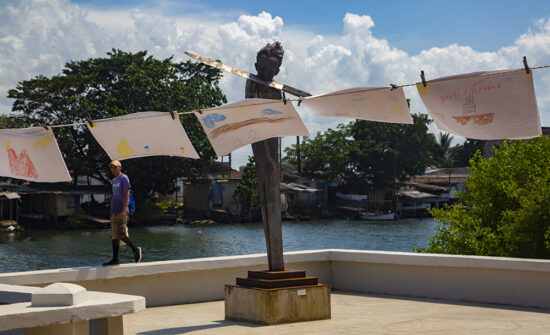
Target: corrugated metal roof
[
  {"x": 298, "y": 187},
  {"x": 9, "y": 195},
  {"x": 416, "y": 194},
  {"x": 57, "y": 189}
]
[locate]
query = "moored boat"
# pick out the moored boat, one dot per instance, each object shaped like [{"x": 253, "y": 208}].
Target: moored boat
[{"x": 378, "y": 217}]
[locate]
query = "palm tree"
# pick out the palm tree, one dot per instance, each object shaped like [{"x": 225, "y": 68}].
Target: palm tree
[{"x": 444, "y": 142}]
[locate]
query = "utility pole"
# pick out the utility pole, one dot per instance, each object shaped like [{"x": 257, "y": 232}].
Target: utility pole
[{"x": 298, "y": 156}]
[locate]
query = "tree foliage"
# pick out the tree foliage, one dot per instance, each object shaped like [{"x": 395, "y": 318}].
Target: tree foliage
[
  {"x": 328, "y": 152},
  {"x": 505, "y": 207},
  {"x": 120, "y": 84},
  {"x": 443, "y": 152},
  {"x": 365, "y": 153},
  {"x": 247, "y": 190},
  {"x": 460, "y": 154}
]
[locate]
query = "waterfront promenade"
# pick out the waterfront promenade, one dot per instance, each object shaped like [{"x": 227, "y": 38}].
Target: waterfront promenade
[
  {"x": 352, "y": 313},
  {"x": 374, "y": 292}
]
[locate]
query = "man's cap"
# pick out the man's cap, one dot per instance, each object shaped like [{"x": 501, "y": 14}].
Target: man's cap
[{"x": 115, "y": 163}]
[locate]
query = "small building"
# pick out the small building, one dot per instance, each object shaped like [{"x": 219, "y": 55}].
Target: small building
[
  {"x": 430, "y": 190},
  {"x": 301, "y": 200},
  {"x": 9, "y": 205},
  {"x": 213, "y": 196},
  {"x": 50, "y": 201}
]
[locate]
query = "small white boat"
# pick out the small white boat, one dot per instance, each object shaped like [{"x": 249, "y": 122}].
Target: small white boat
[{"x": 378, "y": 217}]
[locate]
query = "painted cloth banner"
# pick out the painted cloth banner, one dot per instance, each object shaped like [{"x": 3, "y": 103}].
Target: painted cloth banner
[
  {"x": 32, "y": 154},
  {"x": 235, "y": 125},
  {"x": 365, "y": 103},
  {"x": 141, "y": 135},
  {"x": 484, "y": 105}
]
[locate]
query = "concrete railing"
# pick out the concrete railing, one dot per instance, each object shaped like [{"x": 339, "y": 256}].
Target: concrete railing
[{"x": 511, "y": 281}]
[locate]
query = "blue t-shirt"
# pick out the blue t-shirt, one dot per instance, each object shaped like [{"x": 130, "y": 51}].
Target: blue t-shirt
[{"x": 120, "y": 184}]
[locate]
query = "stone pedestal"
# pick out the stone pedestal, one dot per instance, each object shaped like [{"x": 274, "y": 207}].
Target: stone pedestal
[{"x": 272, "y": 303}]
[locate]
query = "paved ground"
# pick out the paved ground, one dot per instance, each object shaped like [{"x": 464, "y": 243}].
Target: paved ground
[{"x": 352, "y": 314}]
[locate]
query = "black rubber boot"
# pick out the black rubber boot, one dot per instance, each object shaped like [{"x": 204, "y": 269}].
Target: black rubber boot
[
  {"x": 116, "y": 248},
  {"x": 135, "y": 250}
]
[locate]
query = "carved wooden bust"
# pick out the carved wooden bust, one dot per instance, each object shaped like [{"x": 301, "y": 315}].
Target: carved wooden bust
[{"x": 268, "y": 62}]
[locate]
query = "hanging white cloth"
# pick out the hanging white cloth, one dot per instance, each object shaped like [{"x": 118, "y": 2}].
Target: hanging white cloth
[
  {"x": 32, "y": 154},
  {"x": 484, "y": 105},
  {"x": 234, "y": 125},
  {"x": 141, "y": 135},
  {"x": 365, "y": 103}
]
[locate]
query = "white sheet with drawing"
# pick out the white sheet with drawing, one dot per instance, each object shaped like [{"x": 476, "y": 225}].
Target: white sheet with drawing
[
  {"x": 234, "y": 125},
  {"x": 32, "y": 154},
  {"x": 365, "y": 103},
  {"x": 141, "y": 135},
  {"x": 484, "y": 105}
]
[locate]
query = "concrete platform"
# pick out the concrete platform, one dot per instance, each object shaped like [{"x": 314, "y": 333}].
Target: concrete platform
[{"x": 352, "y": 313}]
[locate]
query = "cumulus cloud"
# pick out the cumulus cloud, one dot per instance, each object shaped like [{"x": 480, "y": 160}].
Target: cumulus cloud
[{"x": 38, "y": 37}]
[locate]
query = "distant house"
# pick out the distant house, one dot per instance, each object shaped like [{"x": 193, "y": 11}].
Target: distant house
[
  {"x": 430, "y": 190},
  {"x": 300, "y": 199},
  {"x": 9, "y": 205},
  {"x": 212, "y": 196},
  {"x": 50, "y": 201}
]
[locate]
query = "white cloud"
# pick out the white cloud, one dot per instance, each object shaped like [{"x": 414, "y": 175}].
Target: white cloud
[{"x": 38, "y": 37}]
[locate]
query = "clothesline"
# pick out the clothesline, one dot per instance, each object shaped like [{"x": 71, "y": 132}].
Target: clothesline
[
  {"x": 299, "y": 100},
  {"x": 114, "y": 119},
  {"x": 483, "y": 105}
]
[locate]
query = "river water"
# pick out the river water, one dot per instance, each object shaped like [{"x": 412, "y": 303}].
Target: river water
[{"x": 47, "y": 249}]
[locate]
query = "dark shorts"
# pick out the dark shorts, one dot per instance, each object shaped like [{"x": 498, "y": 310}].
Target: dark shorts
[{"x": 119, "y": 227}]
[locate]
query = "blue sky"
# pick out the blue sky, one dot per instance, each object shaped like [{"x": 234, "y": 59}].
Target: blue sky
[
  {"x": 410, "y": 25},
  {"x": 329, "y": 45}
]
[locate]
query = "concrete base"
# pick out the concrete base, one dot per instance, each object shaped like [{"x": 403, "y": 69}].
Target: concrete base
[{"x": 275, "y": 306}]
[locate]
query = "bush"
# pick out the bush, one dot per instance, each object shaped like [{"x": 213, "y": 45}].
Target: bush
[
  {"x": 76, "y": 218},
  {"x": 505, "y": 207},
  {"x": 164, "y": 205}
]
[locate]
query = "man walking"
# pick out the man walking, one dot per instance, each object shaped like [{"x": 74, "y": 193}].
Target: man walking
[{"x": 119, "y": 214}]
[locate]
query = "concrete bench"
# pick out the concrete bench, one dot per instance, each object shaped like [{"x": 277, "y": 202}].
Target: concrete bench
[{"x": 63, "y": 309}]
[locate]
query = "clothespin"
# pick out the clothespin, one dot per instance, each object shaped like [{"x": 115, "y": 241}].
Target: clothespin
[
  {"x": 423, "y": 78},
  {"x": 525, "y": 64},
  {"x": 284, "y": 98},
  {"x": 173, "y": 114},
  {"x": 199, "y": 111},
  {"x": 45, "y": 127},
  {"x": 393, "y": 87},
  {"x": 300, "y": 99},
  {"x": 90, "y": 121}
]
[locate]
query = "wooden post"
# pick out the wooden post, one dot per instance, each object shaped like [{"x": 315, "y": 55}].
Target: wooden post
[{"x": 267, "y": 169}]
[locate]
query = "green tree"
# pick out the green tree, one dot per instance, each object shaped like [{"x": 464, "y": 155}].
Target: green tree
[
  {"x": 120, "y": 84},
  {"x": 443, "y": 151},
  {"x": 365, "y": 153},
  {"x": 247, "y": 190},
  {"x": 327, "y": 152},
  {"x": 505, "y": 207},
  {"x": 386, "y": 151},
  {"x": 461, "y": 154}
]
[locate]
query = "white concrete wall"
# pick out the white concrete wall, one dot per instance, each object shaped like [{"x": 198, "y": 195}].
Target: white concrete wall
[{"x": 512, "y": 281}]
